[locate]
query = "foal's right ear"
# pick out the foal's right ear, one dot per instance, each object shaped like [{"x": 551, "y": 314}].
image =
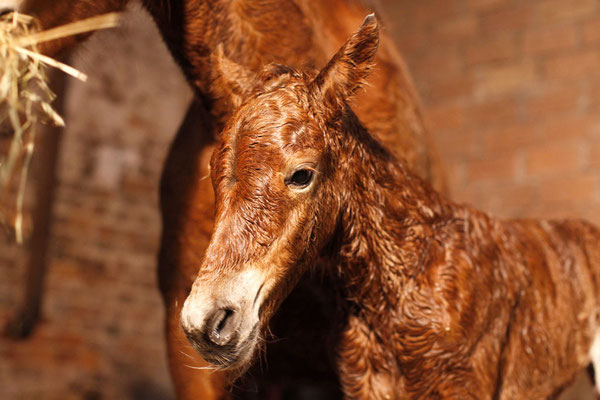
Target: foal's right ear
[
  {"x": 349, "y": 67},
  {"x": 231, "y": 81}
]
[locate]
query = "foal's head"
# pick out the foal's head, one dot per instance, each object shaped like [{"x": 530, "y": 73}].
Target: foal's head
[{"x": 276, "y": 175}]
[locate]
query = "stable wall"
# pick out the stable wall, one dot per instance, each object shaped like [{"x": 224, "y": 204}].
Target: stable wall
[{"x": 511, "y": 92}]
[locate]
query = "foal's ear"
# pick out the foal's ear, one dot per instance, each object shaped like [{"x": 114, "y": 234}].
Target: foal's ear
[
  {"x": 231, "y": 81},
  {"x": 349, "y": 67}
]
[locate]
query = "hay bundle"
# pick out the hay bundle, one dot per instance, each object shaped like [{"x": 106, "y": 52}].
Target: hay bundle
[{"x": 25, "y": 98}]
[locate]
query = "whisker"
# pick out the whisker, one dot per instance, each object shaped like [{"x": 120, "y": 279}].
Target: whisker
[
  {"x": 202, "y": 368},
  {"x": 187, "y": 355},
  {"x": 274, "y": 340}
]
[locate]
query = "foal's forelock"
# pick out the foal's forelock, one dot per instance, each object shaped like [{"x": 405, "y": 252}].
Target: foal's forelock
[{"x": 261, "y": 135}]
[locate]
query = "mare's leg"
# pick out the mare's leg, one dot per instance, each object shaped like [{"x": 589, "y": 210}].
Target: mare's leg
[
  {"x": 190, "y": 377},
  {"x": 187, "y": 205}
]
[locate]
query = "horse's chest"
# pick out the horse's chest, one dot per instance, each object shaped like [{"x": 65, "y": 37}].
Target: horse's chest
[{"x": 389, "y": 358}]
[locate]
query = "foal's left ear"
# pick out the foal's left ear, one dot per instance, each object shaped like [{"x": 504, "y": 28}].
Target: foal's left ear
[{"x": 349, "y": 67}]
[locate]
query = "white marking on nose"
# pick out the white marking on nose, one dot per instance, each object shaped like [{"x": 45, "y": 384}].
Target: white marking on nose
[
  {"x": 240, "y": 291},
  {"x": 193, "y": 313}
]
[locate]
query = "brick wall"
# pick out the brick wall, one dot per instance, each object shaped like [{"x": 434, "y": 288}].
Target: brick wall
[
  {"x": 511, "y": 90},
  {"x": 512, "y": 94}
]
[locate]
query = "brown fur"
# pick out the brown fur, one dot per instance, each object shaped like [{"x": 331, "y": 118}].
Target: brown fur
[
  {"x": 252, "y": 33},
  {"x": 440, "y": 300}
]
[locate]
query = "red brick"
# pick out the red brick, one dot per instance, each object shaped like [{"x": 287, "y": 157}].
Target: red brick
[
  {"x": 485, "y": 5},
  {"x": 445, "y": 117},
  {"x": 569, "y": 126},
  {"x": 594, "y": 154},
  {"x": 549, "y": 11},
  {"x": 437, "y": 64},
  {"x": 549, "y": 101},
  {"x": 589, "y": 212},
  {"x": 400, "y": 14},
  {"x": 511, "y": 138},
  {"x": 496, "y": 111},
  {"x": 593, "y": 94},
  {"x": 412, "y": 40},
  {"x": 506, "y": 200},
  {"x": 507, "y": 19},
  {"x": 514, "y": 200},
  {"x": 545, "y": 40},
  {"x": 452, "y": 88},
  {"x": 434, "y": 11},
  {"x": 554, "y": 158},
  {"x": 458, "y": 145},
  {"x": 576, "y": 189},
  {"x": 473, "y": 195},
  {"x": 492, "y": 169},
  {"x": 573, "y": 65},
  {"x": 503, "y": 79},
  {"x": 455, "y": 29},
  {"x": 454, "y": 168},
  {"x": 558, "y": 210},
  {"x": 500, "y": 48},
  {"x": 590, "y": 31}
]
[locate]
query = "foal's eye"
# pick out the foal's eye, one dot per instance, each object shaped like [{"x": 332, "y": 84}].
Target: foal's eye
[{"x": 300, "y": 178}]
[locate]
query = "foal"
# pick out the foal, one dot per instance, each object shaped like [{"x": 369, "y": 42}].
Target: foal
[{"x": 440, "y": 300}]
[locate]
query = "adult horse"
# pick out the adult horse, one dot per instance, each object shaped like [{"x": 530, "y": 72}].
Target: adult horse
[{"x": 251, "y": 33}]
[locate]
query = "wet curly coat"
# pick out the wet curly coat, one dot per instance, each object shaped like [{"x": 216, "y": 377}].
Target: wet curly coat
[{"x": 437, "y": 300}]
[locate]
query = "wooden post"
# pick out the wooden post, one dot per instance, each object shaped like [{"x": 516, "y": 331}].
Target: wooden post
[{"x": 45, "y": 165}]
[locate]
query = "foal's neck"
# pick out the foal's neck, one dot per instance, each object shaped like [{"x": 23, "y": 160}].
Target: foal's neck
[{"x": 388, "y": 218}]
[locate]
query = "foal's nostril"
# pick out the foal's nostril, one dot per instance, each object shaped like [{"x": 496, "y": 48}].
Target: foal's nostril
[{"x": 221, "y": 326}]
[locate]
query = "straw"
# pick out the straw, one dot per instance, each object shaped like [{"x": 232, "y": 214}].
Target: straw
[
  {"x": 25, "y": 97},
  {"x": 104, "y": 21}
]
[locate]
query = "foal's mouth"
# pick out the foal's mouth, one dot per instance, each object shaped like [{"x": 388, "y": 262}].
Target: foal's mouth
[{"x": 231, "y": 356}]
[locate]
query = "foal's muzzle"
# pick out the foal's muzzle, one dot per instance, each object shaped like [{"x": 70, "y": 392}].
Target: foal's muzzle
[
  {"x": 218, "y": 329},
  {"x": 219, "y": 335},
  {"x": 220, "y": 317},
  {"x": 216, "y": 336}
]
